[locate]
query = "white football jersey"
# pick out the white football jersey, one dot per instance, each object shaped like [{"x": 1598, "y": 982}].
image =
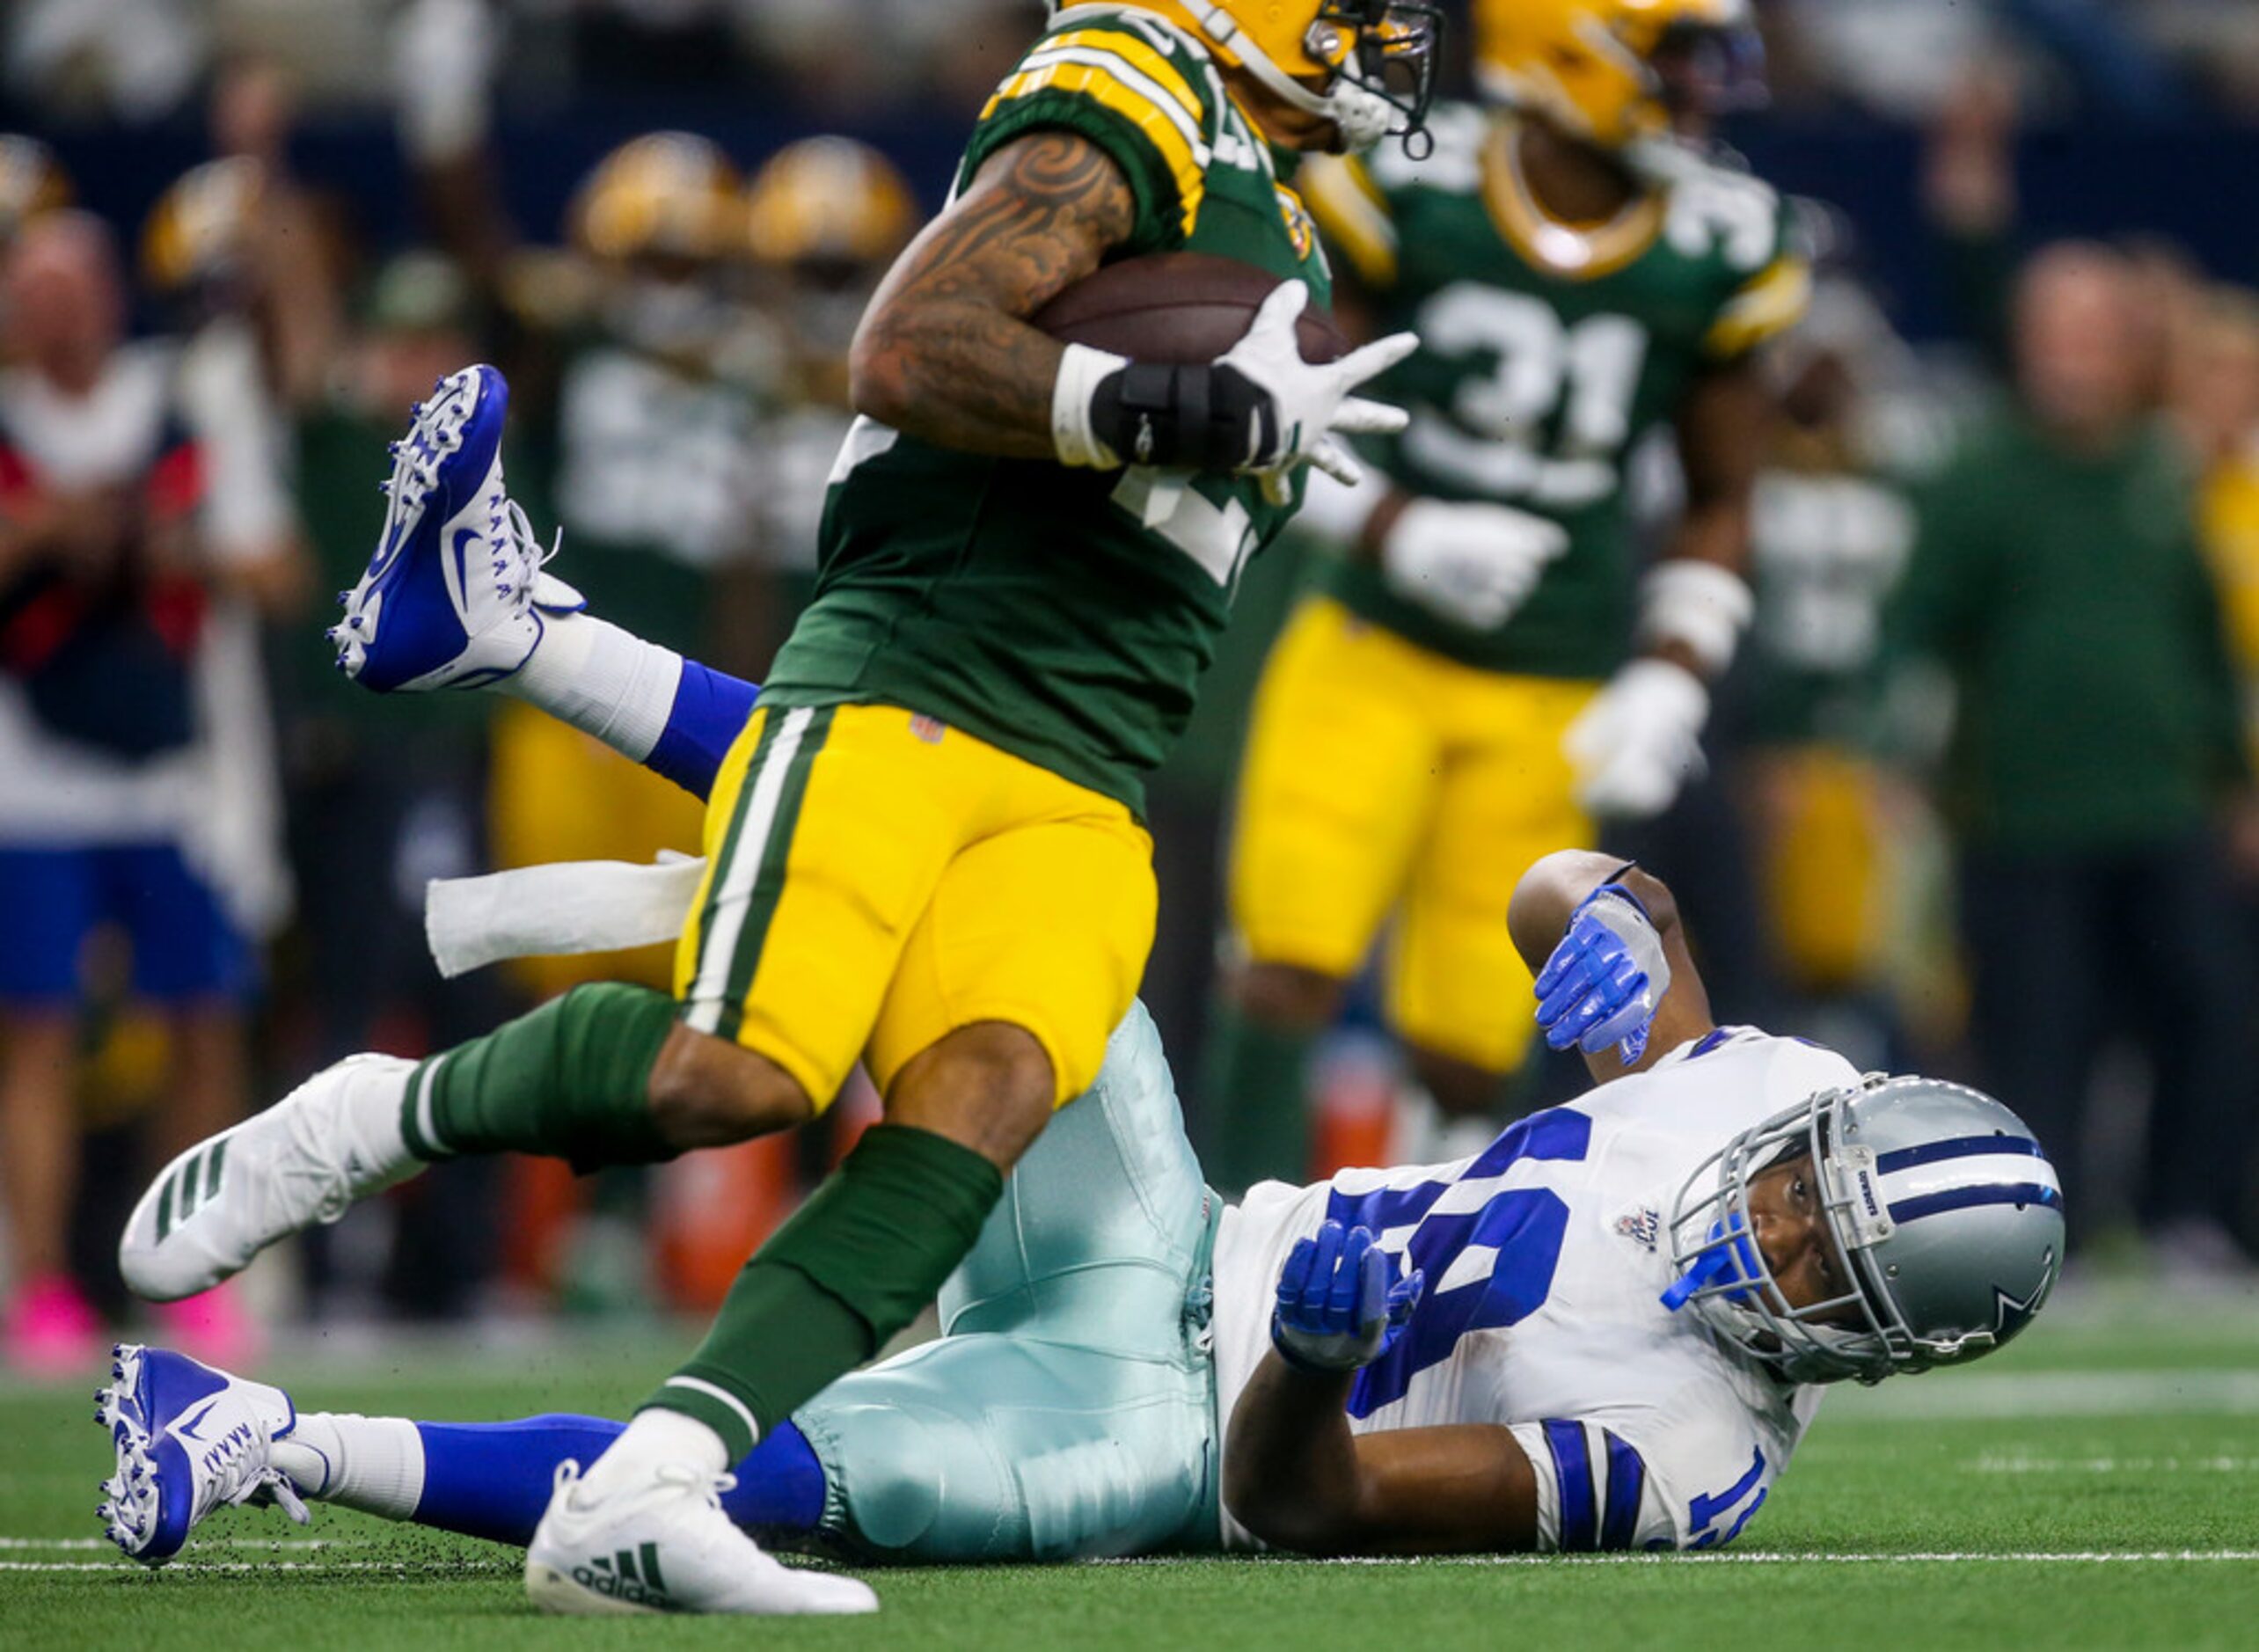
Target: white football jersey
[{"x": 1547, "y": 1256}]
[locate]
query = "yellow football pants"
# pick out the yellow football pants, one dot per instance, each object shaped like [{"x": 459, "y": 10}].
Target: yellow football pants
[
  {"x": 875, "y": 880},
  {"x": 1381, "y": 777}
]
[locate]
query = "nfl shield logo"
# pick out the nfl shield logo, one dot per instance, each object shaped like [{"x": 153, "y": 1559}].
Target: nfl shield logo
[{"x": 929, "y": 729}]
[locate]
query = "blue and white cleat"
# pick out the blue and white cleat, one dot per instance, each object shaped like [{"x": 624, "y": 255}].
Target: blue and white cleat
[
  {"x": 189, "y": 1440},
  {"x": 455, "y": 596}
]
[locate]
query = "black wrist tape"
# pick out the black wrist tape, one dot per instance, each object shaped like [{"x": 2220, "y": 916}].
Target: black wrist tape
[{"x": 1209, "y": 416}]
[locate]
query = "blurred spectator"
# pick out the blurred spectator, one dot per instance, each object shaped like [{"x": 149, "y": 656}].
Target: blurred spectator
[
  {"x": 2214, "y": 392},
  {"x": 2058, "y": 576},
  {"x": 136, "y": 798},
  {"x": 31, "y": 182},
  {"x": 131, "y": 60}
]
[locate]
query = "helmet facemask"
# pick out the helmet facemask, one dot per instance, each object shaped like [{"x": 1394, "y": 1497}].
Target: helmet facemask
[
  {"x": 1725, "y": 1280},
  {"x": 1380, "y": 53}
]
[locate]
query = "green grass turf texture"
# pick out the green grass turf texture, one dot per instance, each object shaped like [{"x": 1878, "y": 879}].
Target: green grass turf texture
[{"x": 2116, "y": 1428}]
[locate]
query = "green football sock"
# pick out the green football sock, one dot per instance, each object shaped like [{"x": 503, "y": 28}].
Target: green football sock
[
  {"x": 571, "y": 1080},
  {"x": 854, "y": 1265},
  {"x": 1254, "y": 1099}
]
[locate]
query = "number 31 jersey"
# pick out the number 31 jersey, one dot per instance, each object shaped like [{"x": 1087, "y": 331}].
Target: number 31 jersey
[
  {"x": 1547, "y": 1256},
  {"x": 1546, "y": 353}
]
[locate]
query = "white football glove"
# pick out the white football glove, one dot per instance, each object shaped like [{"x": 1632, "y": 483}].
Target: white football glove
[
  {"x": 1472, "y": 563},
  {"x": 1640, "y": 740},
  {"x": 1311, "y": 404}
]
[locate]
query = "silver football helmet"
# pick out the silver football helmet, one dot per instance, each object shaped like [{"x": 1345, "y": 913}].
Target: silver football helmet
[{"x": 1946, "y": 1213}]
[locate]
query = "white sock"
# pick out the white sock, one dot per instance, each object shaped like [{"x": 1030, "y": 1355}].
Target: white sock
[
  {"x": 653, "y": 1437},
  {"x": 589, "y": 673},
  {"x": 372, "y": 1463}
]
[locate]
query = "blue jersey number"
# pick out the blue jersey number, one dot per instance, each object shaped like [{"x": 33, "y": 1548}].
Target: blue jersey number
[{"x": 1517, "y": 1231}]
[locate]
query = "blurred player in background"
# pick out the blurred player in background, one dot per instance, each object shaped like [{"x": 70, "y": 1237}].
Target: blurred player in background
[
  {"x": 141, "y": 522},
  {"x": 824, "y": 217},
  {"x": 1838, "y": 850},
  {"x": 924, "y": 846},
  {"x": 1619, "y": 1318},
  {"x": 1457, "y": 697}
]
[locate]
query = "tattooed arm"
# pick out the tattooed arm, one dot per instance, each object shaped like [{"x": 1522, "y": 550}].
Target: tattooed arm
[{"x": 943, "y": 352}]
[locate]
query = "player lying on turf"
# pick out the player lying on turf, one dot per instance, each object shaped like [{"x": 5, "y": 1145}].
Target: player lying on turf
[{"x": 1606, "y": 1331}]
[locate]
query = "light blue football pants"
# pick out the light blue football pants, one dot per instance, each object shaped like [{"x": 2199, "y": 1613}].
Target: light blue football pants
[{"x": 1068, "y": 1408}]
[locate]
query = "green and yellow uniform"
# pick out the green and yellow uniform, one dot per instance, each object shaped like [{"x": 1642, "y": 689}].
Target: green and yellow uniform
[
  {"x": 933, "y": 818},
  {"x": 1399, "y": 760}
]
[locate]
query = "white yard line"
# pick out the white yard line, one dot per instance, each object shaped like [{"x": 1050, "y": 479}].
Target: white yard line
[
  {"x": 2115, "y": 1465},
  {"x": 497, "y": 1568},
  {"x": 408, "y": 1569},
  {"x": 194, "y": 1543}
]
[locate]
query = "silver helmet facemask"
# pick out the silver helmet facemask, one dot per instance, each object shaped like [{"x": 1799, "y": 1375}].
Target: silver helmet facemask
[{"x": 1945, "y": 1216}]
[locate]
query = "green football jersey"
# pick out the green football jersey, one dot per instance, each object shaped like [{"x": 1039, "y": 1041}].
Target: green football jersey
[
  {"x": 1546, "y": 353},
  {"x": 1064, "y": 615}
]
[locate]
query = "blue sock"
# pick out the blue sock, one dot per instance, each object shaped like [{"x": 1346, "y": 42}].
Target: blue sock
[
  {"x": 493, "y": 1480},
  {"x": 779, "y": 1485},
  {"x": 708, "y": 714}
]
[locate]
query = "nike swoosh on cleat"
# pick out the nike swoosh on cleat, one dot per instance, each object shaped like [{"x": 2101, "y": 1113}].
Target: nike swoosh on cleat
[
  {"x": 462, "y": 567},
  {"x": 187, "y": 1430}
]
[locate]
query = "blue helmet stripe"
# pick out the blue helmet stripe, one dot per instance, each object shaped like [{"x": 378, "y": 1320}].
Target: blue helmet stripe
[
  {"x": 1626, "y": 1479},
  {"x": 1958, "y": 1147},
  {"x": 1963, "y": 1198},
  {"x": 1573, "y": 1467}
]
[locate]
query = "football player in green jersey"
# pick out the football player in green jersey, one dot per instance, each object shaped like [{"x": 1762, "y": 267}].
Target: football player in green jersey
[
  {"x": 923, "y": 847},
  {"x": 1483, "y": 671}
]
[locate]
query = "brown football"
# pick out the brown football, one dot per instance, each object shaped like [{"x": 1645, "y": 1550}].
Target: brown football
[{"x": 1177, "y": 307}]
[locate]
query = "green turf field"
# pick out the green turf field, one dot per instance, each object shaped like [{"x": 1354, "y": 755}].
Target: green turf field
[{"x": 2097, "y": 1486}]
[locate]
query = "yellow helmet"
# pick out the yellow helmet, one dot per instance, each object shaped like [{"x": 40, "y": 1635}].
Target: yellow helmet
[
  {"x": 32, "y": 182},
  {"x": 200, "y": 229},
  {"x": 1375, "y": 60},
  {"x": 829, "y": 200},
  {"x": 1597, "y": 68},
  {"x": 665, "y": 194}
]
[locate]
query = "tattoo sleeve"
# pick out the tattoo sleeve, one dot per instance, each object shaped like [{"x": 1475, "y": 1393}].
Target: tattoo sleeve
[{"x": 944, "y": 353}]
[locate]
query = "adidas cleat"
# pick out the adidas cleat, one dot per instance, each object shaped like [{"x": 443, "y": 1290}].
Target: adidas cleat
[
  {"x": 455, "y": 596},
  {"x": 189, "y": 1440},
  {"x": 667, "y": 1546},
  {"x": 335, "y": 1139}
]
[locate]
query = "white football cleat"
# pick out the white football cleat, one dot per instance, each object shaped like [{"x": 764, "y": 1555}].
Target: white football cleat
[
  {"x": 335, "y": 1139},
  {"x": 189, "y": 1440},
  {"x": 455, "y": 595},
  {"x": 667, "y": 1546}
]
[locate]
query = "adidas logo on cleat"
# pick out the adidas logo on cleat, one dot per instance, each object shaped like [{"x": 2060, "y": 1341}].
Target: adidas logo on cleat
[{"x": 618, "y": 1577}]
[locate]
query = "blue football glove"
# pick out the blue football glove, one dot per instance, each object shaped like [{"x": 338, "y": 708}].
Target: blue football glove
[
  {"x": 1340, "y": 1302},
  {"x": 1606, "y": 979}
]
